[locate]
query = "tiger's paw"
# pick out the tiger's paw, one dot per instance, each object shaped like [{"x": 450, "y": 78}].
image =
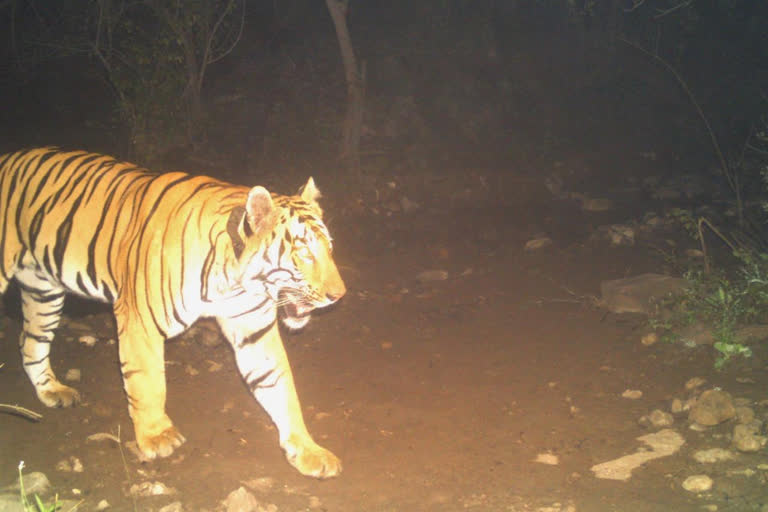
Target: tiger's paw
[
  {"x": 311, "y": 459},
  {"x": 160, "y": 445},
  {"x": 56, "y": 394}
]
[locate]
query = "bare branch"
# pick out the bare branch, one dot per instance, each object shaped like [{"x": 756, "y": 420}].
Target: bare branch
[
  {"x": 664, "y": 12},
  {"x": 224, "y": 53},
  {"x": 635, "y": 5}
]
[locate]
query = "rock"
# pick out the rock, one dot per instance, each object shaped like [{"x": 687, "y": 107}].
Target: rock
[
  {"x": 638, "y": 294},
  {"x": 662, "y": 443},
  {"x": 617, "y": 235},
  {"x": 73, "y": 375},
  {"x": 146, "y": 489},
  {"x": 697, "y": 483},
  {"x": 537, "y": 243},
  {"x": 649, "y": 338},
  {"x": 632, "y": 394},
  {"x": 746, "y": 438},
  {"x": 547, "y": 458},
  {"x": 676, "y": 407},
  {"x": 712, "y": 408},
  {"x": 71, "y": 465},
  {"x": 240, "y": 500},
  {"x": 102, "y": 505},
  {"x": 744, "y": 414},
  {"x": 87, "y": 340},
  {"x": 34, "y": 483},
  {"x": 713, "y": 455},
  {"x": 657, "y": 418},
  {"x": 429, "y": 276},
  {"x": 694, "y": 382}
]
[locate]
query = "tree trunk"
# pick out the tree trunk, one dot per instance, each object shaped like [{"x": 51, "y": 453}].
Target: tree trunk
[{"x": 355, "y": 77}]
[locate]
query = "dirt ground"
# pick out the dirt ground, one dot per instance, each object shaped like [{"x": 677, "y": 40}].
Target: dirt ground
[{"x": 436, "y": 395}]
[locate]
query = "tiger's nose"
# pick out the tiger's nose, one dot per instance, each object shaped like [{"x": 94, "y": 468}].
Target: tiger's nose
[{"x": 335, "y": 295}]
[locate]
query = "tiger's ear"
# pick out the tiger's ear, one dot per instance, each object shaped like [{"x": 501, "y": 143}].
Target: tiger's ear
[
  {"x": 258, "y": 207},
  {"x": 310, "y": 192}
]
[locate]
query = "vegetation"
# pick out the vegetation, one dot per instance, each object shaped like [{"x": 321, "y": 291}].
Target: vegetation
[{"x": 153, "y": 54}]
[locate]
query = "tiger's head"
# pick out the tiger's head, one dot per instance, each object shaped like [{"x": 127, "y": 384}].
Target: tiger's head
[{"x": 284, "y": 251}]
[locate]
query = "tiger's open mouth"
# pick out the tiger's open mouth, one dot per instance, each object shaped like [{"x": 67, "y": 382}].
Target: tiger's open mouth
[
  {"x": 295, "y": 313},
  {"x": 296, "y": 310}
]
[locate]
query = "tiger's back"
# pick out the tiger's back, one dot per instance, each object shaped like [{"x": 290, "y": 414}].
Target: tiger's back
[{"x": 89, "y": 221}]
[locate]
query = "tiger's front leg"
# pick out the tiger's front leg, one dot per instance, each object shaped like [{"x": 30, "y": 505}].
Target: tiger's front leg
[
  {"x": 264, "y": 365},
  {"x": 142, "y": 362}
]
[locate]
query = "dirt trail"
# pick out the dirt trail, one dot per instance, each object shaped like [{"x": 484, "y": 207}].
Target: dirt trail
[{"x": 437, "y": 396}]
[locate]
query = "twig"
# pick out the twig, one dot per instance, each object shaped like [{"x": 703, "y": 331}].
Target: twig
[
  {"x": 21, "y": 411},
  {"x": 664, "y": 12},
  {"x": 699, "y": 225}
]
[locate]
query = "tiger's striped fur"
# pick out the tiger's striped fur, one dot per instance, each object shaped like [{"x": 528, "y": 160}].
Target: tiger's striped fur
[{"x": 165, "y": 250}]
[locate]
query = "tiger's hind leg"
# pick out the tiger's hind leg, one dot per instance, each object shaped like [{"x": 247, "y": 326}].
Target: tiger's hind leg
[{"x": 41, "y": 304}]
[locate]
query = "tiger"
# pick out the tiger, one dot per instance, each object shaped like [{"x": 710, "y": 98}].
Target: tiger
[{"x": 166, "y": 249}]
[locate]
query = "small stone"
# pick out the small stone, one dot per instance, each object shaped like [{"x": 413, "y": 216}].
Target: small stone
[
  {"x": 432, "y": 275},
  {"x": 87, "y": 340},
  {"x": 712, "y": 408},
  {"x": 102, "y": 505},
  {"x": 240, "y": 500},
  {"x": 146, "y": 489},
  {"x": 71, "y": 465},
  {"x": 648, "y": 339},
  {"x": 659, "y": 418},
  {"x": 537, "y": 243},
  {"x": 314, "y": 502},
  {"x": 746, "y": 438},
  {"x": 547, "y": 458},
  {"x": 697, "y": 483},
  {"x": 77, "y": 465},
  {"x": 616, "y": 234},
  {"x": 694, "y": 383},
  {"x": 713, "y": 455},
  {"x": 744, "y": 414},
  {"x": 72, "y": 375},
  {"x": 632, "y": 394},
  {"x": 676, "y": 407}
]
